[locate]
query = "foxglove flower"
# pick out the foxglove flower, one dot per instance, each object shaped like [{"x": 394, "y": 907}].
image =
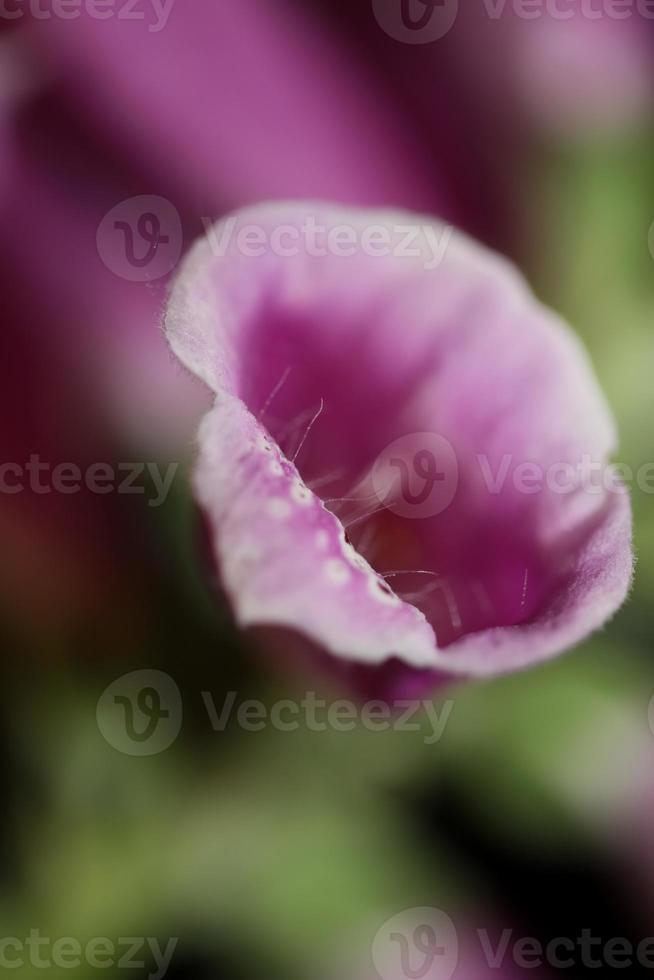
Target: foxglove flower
[{"x": 334, "y": 367}]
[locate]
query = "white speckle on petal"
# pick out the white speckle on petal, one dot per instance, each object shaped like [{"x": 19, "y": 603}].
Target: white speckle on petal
[
  {"x": 322, "y": 540},
  {"x": 355, "y": 558},
  {"x": 276, "y": 468},
  {"x": 337, "y": 571},
  {"x": 301, "y": 494},
  {"x": 278, "y": 508},
  {"x": 250, "y": 554}
]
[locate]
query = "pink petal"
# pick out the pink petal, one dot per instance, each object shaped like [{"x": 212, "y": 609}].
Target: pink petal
[
  {"x": 104, "y": 324},
  {"x": 279, "y": 549},
  {"x": 232, "y": 102},
  {"x": 339, "y": 357}
]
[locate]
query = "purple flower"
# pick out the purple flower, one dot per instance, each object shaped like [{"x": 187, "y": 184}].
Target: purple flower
[
  {"x": 228, "y": 102},
  {"x": 210, "y": 107},
  {"x": 334, "y": 358}
]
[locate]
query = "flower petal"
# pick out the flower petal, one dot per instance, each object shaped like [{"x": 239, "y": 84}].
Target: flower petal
[
  {"x": 280, "y": 549},
  {"x": 48, "y": 234},
  {"x": 587, "y": 596},
  {"x": 231, "y": 102},
  {"x": 341, "y": 354}
]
